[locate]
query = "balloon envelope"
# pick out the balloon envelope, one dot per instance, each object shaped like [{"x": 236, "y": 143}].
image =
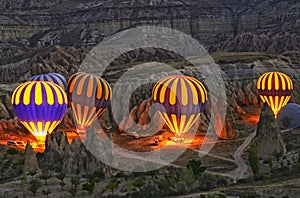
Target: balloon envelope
[
  {"x": 40, "y": 106},
  {"x": 288, "y": 117},
  {"x": 88, "y": 96},
  {"x": 179, "y": 101},
  {"x": 51, "y": 77},
  {"x": 275, "y": 88}
]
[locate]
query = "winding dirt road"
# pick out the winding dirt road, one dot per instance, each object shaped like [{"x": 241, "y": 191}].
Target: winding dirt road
[{"x": 239, "y": 172}]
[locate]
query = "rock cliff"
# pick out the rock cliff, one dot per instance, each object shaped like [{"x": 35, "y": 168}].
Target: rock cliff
[
  {"x": 268, "y": 138},
  {"x": 255, "y": 25},
  {"x": 59, "y": 155}
]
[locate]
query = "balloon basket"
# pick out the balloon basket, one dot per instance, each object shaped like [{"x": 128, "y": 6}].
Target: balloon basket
[
  {"x": 41, "y": 140},
  {"x": 178, "y": 138},
  {"x": 82, "y": 134}
]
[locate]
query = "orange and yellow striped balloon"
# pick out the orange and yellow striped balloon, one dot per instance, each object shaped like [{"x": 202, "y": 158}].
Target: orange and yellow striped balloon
[
  {"x": 40, "y": 106},
  {"x": 88, "y": 96},
  {"x": 275, "y": 88},
  {"x": 179, "y": 101}
]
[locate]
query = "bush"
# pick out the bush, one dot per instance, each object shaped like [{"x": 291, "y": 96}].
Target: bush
[
  {"x": 88, "y": 187},
  {"x": 139, "y": 182},
  {"x": 12, "y": 151},
  {"x": 254, "y": 160},
  {"x": 34, "y": 185},
  {"x": 196, "y": 167},
  {"x": 112, "y": 184}
]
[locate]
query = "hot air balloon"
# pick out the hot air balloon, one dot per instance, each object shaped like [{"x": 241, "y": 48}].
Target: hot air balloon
[
  {"x": 51, "y": 77},
  {"x": 40, "y": 106},
  {"x": 275, "y": 88},
  {"x": 88, "y": 96},
  {"x": 288, "y": 116},
  {"x": 179, "y": 101}
]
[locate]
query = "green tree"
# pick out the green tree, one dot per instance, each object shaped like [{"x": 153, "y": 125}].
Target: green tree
[
  {"x": 46, "y": 192},
  {"x": 34, "y": 185},
  {"x": 270, "y": 163},
  {"x": 196, "y": 167},
  {"x": 45, "y": 176},
  {"x": 99, "y": 174},
  {"x": 12, "y": 151},
  {"x": 139, "y": 182},
  {"x": 254, "y": 160},
  {"x": 73, "y": 191},
  {"x": 112, "y": 184},
  {"x": 75, "y": 181},
  {"x": 61, "y": 176},
  {"x": 90, "y": 186},
  {"x": 94, "y": 179},
  {"x": 186, "y": 175},
  {"x": 32, "y": 173},
  {"x": 62, "y": 184}
]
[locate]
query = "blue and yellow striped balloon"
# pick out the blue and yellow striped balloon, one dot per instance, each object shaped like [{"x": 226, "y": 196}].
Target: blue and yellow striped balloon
[
  {"x": 179, "y": 101},
  {"x": 40, "y": 106},
  {"x": 88, "y": 96},
  {"x": 51, "y": 77}
]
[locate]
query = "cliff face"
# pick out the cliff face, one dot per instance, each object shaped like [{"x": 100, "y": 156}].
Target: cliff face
[
  {"x": 259, "y": 25},
  {"x": 46, "y": 36}
]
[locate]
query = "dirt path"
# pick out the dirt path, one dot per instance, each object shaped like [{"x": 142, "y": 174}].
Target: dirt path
[{"x": 239, "y": 172}]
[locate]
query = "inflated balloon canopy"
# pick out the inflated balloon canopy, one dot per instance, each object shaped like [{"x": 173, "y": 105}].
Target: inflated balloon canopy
[
  {"x": 179, "y": 101},
  {"x": 40, "y": 106},
  {"x": 88, "y": 96},
  {"x": 51, "y": 77},
  {"x": 275, "y": 88}
]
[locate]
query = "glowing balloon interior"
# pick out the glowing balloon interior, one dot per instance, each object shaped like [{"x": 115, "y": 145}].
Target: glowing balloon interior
[
  {"x": 88, "y": 97},
  {"x": 179, "y": 101},
  {"x": 275, "y": 88},
  {"x": 51, "y": 77},
  {"x": 40, "y": 106}
]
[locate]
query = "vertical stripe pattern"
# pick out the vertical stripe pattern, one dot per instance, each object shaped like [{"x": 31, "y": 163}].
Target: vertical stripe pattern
[
  {"x": 179, "y": 101},
  {"x": 275, "y": 88},
  {"x": 51, "y": 77},
  {"x": 88, "y": 96},
  {"x": 40, "y": 105}
]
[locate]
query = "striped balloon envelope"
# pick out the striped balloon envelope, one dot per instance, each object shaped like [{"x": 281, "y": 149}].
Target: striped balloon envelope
[
  {"x": 40, "y": 106},
  {"x": 51, "y": 77},
  {"x": 275, "y": 88},
  {"x": 88, "y": 96},
  {"x": 179, "y": 101}
]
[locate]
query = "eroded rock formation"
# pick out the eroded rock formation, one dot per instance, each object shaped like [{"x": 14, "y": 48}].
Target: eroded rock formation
[{"x": 268, "y": 138}]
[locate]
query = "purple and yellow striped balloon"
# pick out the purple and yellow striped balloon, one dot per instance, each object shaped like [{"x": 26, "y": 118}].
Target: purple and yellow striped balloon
[
  {"x": 40, "y": 106},
  {"x": 51, "y": 77},
  {"x": 179, "y": 101},
  {"x": 88, "y": 96}
]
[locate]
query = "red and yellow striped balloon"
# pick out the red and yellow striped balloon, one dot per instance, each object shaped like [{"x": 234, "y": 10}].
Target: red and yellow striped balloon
[
  {"x": 88, "y": 96},
  {"x": 275, "y": 88},
  {"x": 40, "y": 106},
  {"x": 179, "y": 101}
]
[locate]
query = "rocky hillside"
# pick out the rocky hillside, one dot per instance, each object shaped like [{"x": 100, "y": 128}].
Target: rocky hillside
[
  {"x": 59, "y": 155},
  {"x": 255, "y": 25}
]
